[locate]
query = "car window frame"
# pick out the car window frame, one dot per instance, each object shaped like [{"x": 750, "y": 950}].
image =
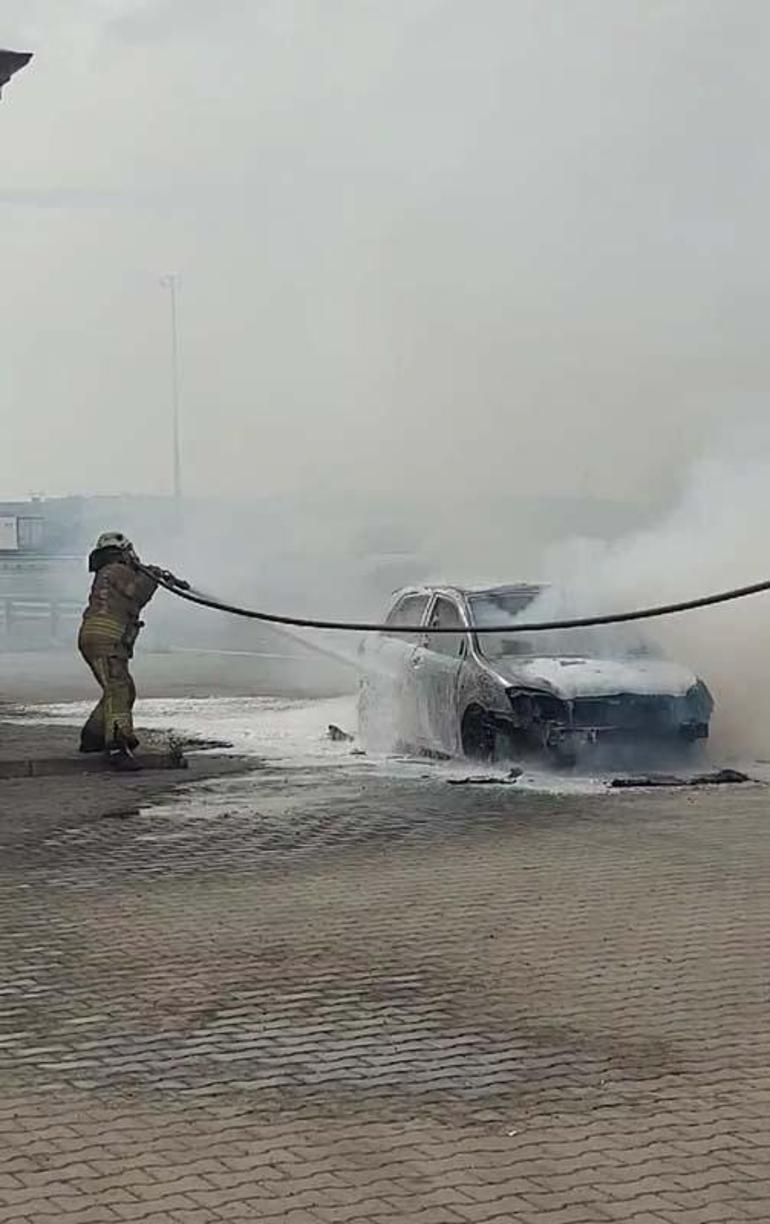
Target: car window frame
[
  {"x": 477, "y": 639},
  {"x": 421, "y": 620},
  {"x": 463, "y": 631}
]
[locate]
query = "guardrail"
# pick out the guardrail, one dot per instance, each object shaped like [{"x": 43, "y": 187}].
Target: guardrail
[{"x": 30, "y": 616}]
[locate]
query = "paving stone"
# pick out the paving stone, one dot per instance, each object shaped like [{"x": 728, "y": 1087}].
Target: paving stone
[{"x": 289, "y": 998}]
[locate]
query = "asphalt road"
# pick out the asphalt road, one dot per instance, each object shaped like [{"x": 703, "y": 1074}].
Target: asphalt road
[{"x": 313, "y": 995}]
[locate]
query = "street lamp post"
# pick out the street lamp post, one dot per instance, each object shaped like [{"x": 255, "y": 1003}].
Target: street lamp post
[{"x": 171, "y": 282}]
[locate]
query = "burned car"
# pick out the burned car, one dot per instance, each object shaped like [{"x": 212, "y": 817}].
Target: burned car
[{"x": 495, "y": 694}]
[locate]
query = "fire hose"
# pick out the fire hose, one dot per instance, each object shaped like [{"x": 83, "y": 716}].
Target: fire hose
[{"x": 183, "y": 590}]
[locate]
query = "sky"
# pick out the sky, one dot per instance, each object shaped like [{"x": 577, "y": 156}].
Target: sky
[{"x": 435, "y": 245}]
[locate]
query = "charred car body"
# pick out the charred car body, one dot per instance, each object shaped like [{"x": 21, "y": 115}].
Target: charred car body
[{"x": 549, "y": 693}]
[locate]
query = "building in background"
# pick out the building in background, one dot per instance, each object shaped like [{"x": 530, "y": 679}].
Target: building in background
[{"x": 40, "y": 582}]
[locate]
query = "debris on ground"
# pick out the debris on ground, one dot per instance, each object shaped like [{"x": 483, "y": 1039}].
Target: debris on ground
[
  {"x": 508, "y": 779},
  {"x": 198, "y": 744},
  {"x": 720, "y": 777},
  {"x": 433, "y": 754},
  {"x": 338, "y": 736}
]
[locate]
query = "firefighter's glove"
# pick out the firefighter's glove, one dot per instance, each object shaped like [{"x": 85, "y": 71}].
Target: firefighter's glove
[{"x": 167, "y": 577}]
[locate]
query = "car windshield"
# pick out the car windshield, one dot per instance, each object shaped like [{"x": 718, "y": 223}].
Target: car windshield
[{"x": 597, "y": 642}]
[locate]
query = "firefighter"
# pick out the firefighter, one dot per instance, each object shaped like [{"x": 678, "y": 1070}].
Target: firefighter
[{"x": 109, "y": 630}]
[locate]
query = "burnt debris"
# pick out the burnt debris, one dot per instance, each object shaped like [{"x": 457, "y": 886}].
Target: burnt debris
[
  {"x": 720, "y": 777},
  {"x": 338, "y": 736}
]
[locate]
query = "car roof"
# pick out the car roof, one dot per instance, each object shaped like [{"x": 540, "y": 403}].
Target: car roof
[{"x": 444, "y": 588}]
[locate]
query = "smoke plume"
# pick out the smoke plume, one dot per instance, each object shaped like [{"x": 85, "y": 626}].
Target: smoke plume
[{"x": 715, "y": 538}]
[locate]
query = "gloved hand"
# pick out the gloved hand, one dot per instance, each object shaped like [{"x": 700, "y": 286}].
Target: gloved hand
[{"x": 166, "y": 576}]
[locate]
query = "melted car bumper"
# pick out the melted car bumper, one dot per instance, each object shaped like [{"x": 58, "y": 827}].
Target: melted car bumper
[{"x": 625, "y": 716}]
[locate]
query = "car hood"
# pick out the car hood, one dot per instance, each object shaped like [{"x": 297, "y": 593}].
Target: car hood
[{"x": 579, "y": 677}]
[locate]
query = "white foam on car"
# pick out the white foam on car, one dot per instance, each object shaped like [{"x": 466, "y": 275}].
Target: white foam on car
[{"x": 579, "y": 677}]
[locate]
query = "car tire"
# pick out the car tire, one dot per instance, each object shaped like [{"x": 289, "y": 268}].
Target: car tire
[{"x": 478, "y": 734}]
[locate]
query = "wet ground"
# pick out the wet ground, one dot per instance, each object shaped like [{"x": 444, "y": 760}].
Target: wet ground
[{"x": 340, "y": 989}]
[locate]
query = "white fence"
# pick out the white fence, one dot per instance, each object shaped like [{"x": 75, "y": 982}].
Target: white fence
[{"x": 31, "y": 618}]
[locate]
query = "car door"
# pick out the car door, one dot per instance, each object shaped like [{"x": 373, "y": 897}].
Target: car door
[
  {"x": 387, "y": 704},
  {"x": 436, "y": 665}
]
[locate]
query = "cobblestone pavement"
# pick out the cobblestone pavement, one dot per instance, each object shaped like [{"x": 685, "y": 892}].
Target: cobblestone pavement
[{"x": 305, "y": 998}]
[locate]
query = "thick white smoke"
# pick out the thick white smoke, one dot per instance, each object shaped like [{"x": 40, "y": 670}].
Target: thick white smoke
[{"x": 715, "y": 538}]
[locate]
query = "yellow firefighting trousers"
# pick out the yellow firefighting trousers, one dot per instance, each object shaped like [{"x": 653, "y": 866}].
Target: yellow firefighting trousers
[{"x": 106, "y": 648}]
